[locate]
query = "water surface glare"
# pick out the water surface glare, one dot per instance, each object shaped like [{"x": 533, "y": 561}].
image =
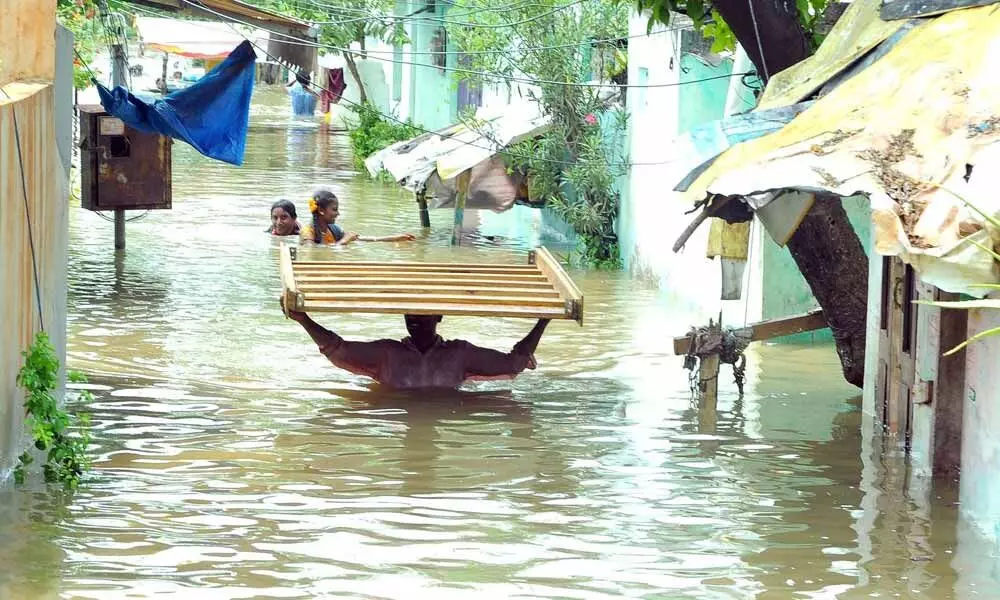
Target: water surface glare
[{"x": 232, "y": 461}]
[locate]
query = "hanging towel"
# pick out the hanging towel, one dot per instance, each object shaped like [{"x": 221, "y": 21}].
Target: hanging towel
[
  {"x": 335, "y": 86},
  {"x": 212, "y": 115}
]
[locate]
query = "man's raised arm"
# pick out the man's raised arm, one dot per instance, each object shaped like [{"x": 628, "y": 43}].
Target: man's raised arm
[
  {"x": 486, "y": 363},
  {"x": 360, "y": 358}
]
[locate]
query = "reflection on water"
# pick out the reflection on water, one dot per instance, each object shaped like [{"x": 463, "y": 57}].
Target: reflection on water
[{"x": 234, "y": 462}]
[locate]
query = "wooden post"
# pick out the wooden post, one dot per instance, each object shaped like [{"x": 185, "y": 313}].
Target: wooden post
[
  {"x": 708, "y": 383},
  {"x": 425, "y": 218},
  {"x": 163, "y": 77},
  {"x": 463, "y": 191}
]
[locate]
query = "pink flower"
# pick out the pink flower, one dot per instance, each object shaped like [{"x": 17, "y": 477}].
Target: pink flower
[{"x": 590, "y": 119}]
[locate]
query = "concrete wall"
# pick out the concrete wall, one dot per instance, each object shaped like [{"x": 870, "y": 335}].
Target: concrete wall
[
  {"x": 432, "y": 90},
  {"x": 28, "y": 46},
  {"x": 785, "y": 291},
  {"x": 45, "y": 178},
  {"x": 980, "y": 484},
  {"x": 652, "y": 216}
]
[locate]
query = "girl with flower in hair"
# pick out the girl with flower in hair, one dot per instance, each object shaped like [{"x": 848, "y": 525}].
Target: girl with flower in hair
[{"x": 325, "y": 207}]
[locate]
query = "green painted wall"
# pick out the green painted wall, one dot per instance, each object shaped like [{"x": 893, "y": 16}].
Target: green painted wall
[
  {"x": 432, "y": 90},
  {"x": 706, "y": 101},
  {"x": 786, "y": 291}
]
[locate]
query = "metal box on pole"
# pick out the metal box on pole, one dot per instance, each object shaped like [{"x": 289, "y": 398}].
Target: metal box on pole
[{"x": 122, "y": 168}]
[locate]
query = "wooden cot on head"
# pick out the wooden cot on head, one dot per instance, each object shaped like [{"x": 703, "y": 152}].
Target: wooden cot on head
[{"x": 540, "y": 289}]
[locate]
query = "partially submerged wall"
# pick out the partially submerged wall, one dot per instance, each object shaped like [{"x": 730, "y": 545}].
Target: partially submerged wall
[
  {"x": 980, "y": 480},
  {"x": 27, "y": 48}
]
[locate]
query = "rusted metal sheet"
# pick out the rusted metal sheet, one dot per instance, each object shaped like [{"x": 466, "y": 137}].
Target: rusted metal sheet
[
  {"x": 122, "y": 168},
  {"x": 908, "y": 9}
]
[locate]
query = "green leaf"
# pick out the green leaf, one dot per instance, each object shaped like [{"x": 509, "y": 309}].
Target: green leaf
[
  {"x": 987, "y": 303},
  {"x": 975, "y": 338}
]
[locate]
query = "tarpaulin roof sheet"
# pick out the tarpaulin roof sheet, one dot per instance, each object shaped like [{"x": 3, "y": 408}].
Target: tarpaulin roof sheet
[{"x": 913, "y": 131}]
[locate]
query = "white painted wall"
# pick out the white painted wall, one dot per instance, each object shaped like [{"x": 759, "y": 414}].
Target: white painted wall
[
  {"x": 652, "y": 216},
  {"x": 980, "y": 482}
]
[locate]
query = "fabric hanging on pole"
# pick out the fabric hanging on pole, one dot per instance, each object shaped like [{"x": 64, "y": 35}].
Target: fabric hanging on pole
[
  {"x": 212, "y": 115},
  {"x": 334, "y": 89}
]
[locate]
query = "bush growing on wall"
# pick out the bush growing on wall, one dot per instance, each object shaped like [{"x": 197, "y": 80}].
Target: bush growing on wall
[
  {"x": 572, "y": 167},
  {"x": 375, "y": 132}
]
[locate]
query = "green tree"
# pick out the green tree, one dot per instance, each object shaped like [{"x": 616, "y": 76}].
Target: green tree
[
  {"x": 79, "y": 17},
  {"x": 343, "y": 22},
  {"x": 573, "y": 165},
  {"x": 788, "y": 31}
]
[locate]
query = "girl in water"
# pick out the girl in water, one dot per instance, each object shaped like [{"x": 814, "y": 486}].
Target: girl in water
[
  {"x": 325, "y": 207},
  {"x": 283, "y": 219}
]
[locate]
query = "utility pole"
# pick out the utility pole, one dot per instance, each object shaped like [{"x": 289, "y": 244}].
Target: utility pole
[{"x": 118, "y": 70}]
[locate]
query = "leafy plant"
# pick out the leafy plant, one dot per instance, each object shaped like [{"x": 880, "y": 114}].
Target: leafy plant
[
  {"x": 78, "y": 17},
  {"x": 375, "y": 132},
  {"x": 573, "y": 165},
  {"x": 63, "y": 437}
]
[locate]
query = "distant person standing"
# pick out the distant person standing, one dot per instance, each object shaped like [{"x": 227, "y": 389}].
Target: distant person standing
[{"x": 303, "y": 99}]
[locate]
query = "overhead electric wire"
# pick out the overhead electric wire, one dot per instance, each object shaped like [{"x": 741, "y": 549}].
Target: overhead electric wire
[
  {"x": 230, "y": 20},
  {"x": 509, "y": 78},
  {"x": 419, "y": 17},
  {"x": 525, "y": 49},
  {"x": 468, "y": 24}
]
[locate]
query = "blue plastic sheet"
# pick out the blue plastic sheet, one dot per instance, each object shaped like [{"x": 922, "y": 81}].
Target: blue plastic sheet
[{"x": 212, "y": 115}]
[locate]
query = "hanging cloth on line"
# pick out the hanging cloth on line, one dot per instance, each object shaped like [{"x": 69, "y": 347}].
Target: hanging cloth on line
[
  {"x": 212, "y": 115},
  {"x": 334, "y": 90}
]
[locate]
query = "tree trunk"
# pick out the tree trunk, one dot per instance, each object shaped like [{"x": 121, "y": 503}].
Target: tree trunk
[
  {"x": 781, "y": 34},
  {"x": 830, "y": 256},
  {"x": 353, "y": 68},
  {"x": 825, "y": 247}
]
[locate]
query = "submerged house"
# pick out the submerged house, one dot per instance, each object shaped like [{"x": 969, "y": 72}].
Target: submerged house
[{"x": 902, "y": 113}]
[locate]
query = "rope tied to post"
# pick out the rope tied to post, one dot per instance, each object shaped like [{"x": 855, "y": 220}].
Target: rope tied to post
[{"x": 728, "y": 343}]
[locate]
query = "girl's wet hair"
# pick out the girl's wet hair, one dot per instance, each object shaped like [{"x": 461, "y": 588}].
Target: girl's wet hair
[
  {"x": 323, "y": 198},
  {"x": 285, "y": 205}
]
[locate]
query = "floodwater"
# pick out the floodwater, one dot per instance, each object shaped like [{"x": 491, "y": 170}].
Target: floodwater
[{"x": 232, "y": 461}]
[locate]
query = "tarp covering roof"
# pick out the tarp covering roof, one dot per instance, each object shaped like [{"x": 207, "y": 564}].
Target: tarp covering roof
[
  {"x": 193, "y": 39},
  {"x": 913, "y": 130},
  {"x": 456, "y": 148}
]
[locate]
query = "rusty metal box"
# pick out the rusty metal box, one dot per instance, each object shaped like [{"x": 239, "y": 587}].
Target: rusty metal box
[{"x": 121, "y": 167}]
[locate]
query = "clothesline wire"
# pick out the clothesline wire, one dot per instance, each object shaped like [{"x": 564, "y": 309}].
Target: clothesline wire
[
  {"x": 428, "y": 131},
  {"x": 478, "y": 52},
  {"x": 375, "y": 17},
  {"x": 370, "y": 16},
  {"x": 298, "y": 41}
]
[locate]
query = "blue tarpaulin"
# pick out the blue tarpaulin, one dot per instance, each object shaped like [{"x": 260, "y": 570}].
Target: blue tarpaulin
[{"x": 212, "y": 115}]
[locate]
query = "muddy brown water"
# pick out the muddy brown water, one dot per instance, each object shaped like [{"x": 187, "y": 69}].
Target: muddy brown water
[{"x": 232, "y": 461}]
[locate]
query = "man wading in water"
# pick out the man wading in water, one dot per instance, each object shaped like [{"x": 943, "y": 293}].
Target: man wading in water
[{"x": 423, "y": 360}]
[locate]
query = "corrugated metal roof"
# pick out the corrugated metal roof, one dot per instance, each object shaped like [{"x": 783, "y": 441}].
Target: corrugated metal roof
[
  {"x": 456, "y": 148},
  {"x": 902, "y": 132}
]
